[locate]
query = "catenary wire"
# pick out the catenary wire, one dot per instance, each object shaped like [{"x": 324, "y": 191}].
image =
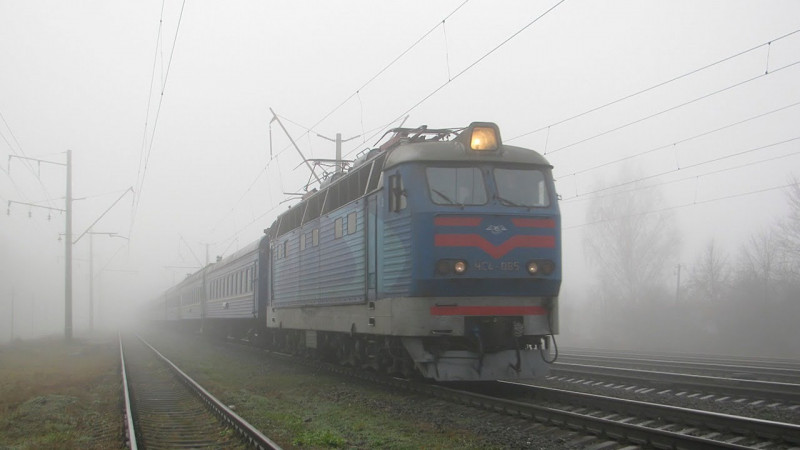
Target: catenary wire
[
  {"x": 686, "y": 205},
  {"x": 673, "y": 108},
  {"x": 656, "y": 86},
  {"x": 473, "y": 64},
  {"x": 385, "y": 68},
  {"x": 356, "y": 93},
  {"x": 589, "y": 195},
  {"x": 26, "y": 163},
  {"x": 721, "y": 158},
  {"x": 138, "y": 192},
  {"x": 150, "y": 92},
  {"x": 682, "y": 141}
]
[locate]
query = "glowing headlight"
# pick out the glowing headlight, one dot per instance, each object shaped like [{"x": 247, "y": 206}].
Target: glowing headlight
[
  {"x": 483, "y": 138},
  {"x": 460, "y": 267},
  {"x": 533, "y": 267}
]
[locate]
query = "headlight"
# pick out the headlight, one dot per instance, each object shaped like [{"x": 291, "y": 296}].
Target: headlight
[
  {"x": 448, "y": 266},
  {"x": 483, "y": 138},
  {"x": 541, "y": 267}
]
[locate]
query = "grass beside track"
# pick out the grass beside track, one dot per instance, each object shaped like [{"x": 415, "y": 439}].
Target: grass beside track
[
  {"x": 55, "y": 394},
  {"x": 298, "y": 408}
]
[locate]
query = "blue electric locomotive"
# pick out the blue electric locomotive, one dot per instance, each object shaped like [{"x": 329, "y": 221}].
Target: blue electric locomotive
[{"x": 437, "y": 253}]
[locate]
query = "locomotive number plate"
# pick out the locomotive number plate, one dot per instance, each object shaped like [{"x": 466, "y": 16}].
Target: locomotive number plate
[{"x": 489, "y": 266}]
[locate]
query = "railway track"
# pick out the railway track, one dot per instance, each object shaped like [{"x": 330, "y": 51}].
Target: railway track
[
  {"x": 753, "y": 390},
  {"x": 641, "y": 423},
  {"x": 760, "y": 369},
  {"x": 167, "y": 409},
  {"x": 599, "y": 419},
  {"x": 625, "y": 421},
  {"x": 789, "y": 363}
]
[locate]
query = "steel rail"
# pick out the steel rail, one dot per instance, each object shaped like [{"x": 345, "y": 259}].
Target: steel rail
[
  {"x": 785, "y": 363},
  {"x": 737, "y": 427},
  {"x": 127, "y": 395},
  {"x": 757, "y": 368},
  {"x": 767, "y": 429},
  {"x": 602, "y": 426},
  {"x": 727, "y": 386},
  {"x": 618, "y": 430},
  {"x": 251, "y": 434}
]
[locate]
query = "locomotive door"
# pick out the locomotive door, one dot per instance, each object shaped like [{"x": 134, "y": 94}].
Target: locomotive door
[{"x": 372, "y": 246}]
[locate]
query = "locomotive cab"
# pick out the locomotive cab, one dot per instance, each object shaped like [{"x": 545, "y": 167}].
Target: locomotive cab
[{"x": 481, "y": 228}]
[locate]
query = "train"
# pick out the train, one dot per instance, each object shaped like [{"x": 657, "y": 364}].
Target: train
[{"x": 435, "y": 254}]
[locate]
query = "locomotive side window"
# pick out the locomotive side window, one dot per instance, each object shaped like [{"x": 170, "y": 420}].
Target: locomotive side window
[
  {"x": 314, "y": 207},
  {"x": 397, "y": 194},
  {"x": 456, "y": 185},
  {"x": 337, "y": 228},
  {"x": 521, "y": 187},
  {"x": 352, "y": 224},
  {"x": 375, "y": 175}
]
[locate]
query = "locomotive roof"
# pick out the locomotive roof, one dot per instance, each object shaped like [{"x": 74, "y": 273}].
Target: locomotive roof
[
  {"x": 434, "y": 149},
  {"x": 407, "y": 145},
  {"x": 457, "y": 152}
]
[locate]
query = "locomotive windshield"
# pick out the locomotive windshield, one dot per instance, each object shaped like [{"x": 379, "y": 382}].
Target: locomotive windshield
[
  {"x": 521, "y": 187},
  {"x": 466, "y": 186},
  {"x": 456, "y": 185}
]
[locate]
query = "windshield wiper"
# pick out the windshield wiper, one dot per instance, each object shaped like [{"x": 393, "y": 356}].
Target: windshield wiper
[
  {"x": 508, "y": 202},
  {"x": 446, "y": 198}
]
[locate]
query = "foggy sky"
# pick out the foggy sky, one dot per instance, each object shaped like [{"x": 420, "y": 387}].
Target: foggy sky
[{"x": 77, "y": 75}]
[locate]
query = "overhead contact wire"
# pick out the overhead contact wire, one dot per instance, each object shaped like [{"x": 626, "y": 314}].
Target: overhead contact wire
[
  {"x": 656, "y": 86},
  {"x": 697, "y": 99},
  {"x": 682, "y": 141},
  {"x": 474, "y": 63},
  {"x": 138, "y": 193}
]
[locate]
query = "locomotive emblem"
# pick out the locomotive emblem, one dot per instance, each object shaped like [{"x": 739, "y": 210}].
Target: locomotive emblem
[{"x": 496, "y": 229}]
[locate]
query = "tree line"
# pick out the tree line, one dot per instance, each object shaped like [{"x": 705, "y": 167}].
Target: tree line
[{"x": 739, "y": 301}]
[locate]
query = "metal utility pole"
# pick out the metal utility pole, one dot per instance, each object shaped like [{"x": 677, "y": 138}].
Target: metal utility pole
[
  {"x": 70, "y": 243},
  {"x": 67, "y": 240},
  {"x": 12, "y": 314},
  {"x": 338, "y": 142},
  {"x": 91, "y": 281},
  {"x": 678, "y": 287},
  {"x": 68, "y": 253}
]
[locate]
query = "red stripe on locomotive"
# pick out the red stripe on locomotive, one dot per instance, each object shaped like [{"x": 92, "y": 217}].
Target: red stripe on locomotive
[
  {"x": 495, "y": 251},
  {"x": 457, "y": 221},
  {"x": 534, "y": 223}
]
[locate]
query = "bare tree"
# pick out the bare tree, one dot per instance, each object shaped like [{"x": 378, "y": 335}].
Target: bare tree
[
  {"x": 631, "y": 244},
  {"x": 761, "y": 260},
  {"x": 790, "y": 233},
  {"x": 710, "y": 275}
]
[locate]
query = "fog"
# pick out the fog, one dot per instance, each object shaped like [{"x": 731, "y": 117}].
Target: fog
[{"x": 689, "y": 107}]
